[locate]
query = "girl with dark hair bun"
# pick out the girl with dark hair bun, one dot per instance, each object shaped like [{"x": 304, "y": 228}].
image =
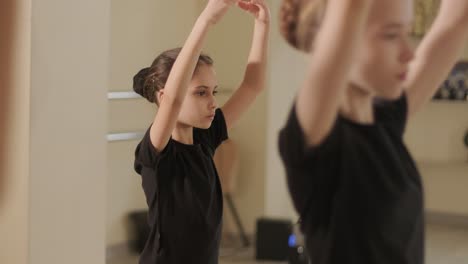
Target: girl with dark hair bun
[
  {"x": 148, "y": 81},
  {"x": 351, "y": 178},
  {"x": 175, "y": 156}
]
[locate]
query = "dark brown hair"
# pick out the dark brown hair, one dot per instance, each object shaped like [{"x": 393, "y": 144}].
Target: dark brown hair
[
  {"x": 148, "y": 81},
  {"x": 300, "y": 21}
]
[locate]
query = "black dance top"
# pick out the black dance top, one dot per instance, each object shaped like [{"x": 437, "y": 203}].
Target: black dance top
[
  {"x": 359, "y": 193},
  {"x": 184, "y": 197}
]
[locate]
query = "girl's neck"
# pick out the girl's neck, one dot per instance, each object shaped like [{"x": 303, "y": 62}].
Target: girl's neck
[
  {"x": 183, "y": 133},
  {"x": 357, "y": 105}
]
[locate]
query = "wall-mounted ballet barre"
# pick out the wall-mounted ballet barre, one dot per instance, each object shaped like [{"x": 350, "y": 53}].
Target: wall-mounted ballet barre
[
  {"x": 124, "y": 136},
  {"x": 113, "y": 137},
  {"x": 122, "y": 95},
  {"x": 133, "y": 95}
]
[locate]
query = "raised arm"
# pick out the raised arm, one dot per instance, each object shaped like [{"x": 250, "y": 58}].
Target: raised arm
[
  {"x": 179, "y": 78},
  {"x": 329, "y": 68},
  {"x": 254, "y": 77},
  {"x": 437, "y": 53}
]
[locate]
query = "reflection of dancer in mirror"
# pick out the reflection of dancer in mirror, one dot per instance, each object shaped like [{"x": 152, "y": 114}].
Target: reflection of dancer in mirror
[
  {"x": 351, "y": 178},
  {"x": 174, "y": 158}
]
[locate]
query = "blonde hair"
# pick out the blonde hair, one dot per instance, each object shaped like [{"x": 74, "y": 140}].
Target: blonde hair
[{"x": 300, "y": 21}]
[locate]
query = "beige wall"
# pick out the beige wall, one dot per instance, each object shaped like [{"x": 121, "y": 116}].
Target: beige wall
[
  {"x": 435, "y": 134},
  {"x": 14, "y": 205},
  {"x": 140, "y": 30},
  {"x": 69, "y": 80}
]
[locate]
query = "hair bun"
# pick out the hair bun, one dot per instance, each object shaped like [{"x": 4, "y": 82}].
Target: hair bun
[
  {"x": 300, "y": 21},
  {"x": 289, "y": 14},
  {"x": 139, "y": 81}
]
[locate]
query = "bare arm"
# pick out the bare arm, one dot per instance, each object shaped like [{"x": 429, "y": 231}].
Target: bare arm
[
  {"x": 330, "y": 64},
  {"x": 254, "y": 78},
  {"x": 437, "y": 53},
  {"x": 179, "y": 78}
]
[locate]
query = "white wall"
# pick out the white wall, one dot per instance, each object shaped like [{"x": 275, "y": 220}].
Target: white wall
[{"x": 69, "y": 80}]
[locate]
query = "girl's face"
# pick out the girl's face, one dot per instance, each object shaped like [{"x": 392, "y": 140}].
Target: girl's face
[
  {"x": 199, "y": 106},
  {"x": 382, "y": 61}
]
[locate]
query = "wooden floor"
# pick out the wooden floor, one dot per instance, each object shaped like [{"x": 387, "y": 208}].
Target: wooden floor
[{"x": 444, "y": 245}]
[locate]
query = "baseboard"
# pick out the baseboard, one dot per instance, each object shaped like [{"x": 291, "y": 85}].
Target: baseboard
[
  {"x": 458, "y": 220},
  {"x": 233, "y": 239}
]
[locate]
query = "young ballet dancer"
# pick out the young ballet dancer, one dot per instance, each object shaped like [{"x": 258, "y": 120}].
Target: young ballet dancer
[
  {"x": 351, "y": 178},
  {"x": 175, "y": 157}
]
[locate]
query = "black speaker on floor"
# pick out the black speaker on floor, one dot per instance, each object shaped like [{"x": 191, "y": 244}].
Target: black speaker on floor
[
  {"x": 140, "y": 230},
  {"x": 272, "y": 239}
]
